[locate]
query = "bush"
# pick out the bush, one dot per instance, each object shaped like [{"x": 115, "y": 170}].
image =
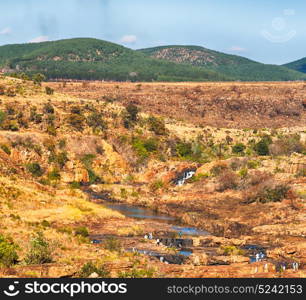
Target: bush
[
  {"x": 6, "y": 149},
  {"x": 262, "y": 147},
  {"x": 8, "y": 254},
  {"x": 54, "y": 175},
  {"x": 76, "y": 121},
  {"x": 11, "y": 125},
  {"x": 2, "y": 117},
  {"x": 35, "y": 169},
  {"x": 238, "y": 148},
  {"x": 253, "y": 164},
  {"x": 227, "y": 180},
  {"x": 231, "y": 250},
  {"x": 157, "y": 126},
  {"x": 49, "y": 91},
  {"x": 265, "y": 194},
  {"x": 183, "y": 149},
  {"x": 287, "y": 145},
  {"x": 48, "y": 108},
  {"x": 95, "y": 120},
  {"x": 82, "y": 231},
  {"x": 112, "y": 244},
  {"x": 132, "y": 111},
  {"x": 130, "y": 116},
  {"x": 10, "y": 92},
  {"x": 218, "y": 169},
  {"x": 40, "y": 252},
  {"x": 144, "y": 147},
  {"x": 156, "y": 185},
  {"x": 2, "y": 90},
  {"x": 90, "y": 268},
  {"x": 137, "y": 273},
  {"x": 38, "y": 78}
]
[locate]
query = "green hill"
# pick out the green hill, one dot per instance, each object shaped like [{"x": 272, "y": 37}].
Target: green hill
[
  {"x": 93, "y": 59},
  {"x": 298, "y": 65},
  {"x": 237, "y": 67}
]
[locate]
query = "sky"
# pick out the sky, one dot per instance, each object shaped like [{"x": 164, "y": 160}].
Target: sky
[{"x": 268, "y": 31}]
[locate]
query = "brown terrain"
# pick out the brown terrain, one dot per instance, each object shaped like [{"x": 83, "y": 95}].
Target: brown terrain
[
  {"x": 231, "y": 105},
  {"x": 68, "y": 154}
]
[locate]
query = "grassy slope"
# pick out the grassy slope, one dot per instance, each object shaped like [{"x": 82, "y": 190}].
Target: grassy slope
[{"x": 237, "y": 67}]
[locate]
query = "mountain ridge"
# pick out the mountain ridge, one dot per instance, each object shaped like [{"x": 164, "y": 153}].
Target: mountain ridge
[
  {"x": 94, "y": 59},
  {"x": 237, "y": 67}
]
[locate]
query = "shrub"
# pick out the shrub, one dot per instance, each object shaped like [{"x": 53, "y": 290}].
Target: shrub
[
  {"x": 75, "y": 185},
  {"x": 287, "y": 145},
  {"x": 2, "y": 117},
  {"x": 10, "y": 92},
  {"x": 49, "y": 91},
  {"x": 95, "y": 120},
  {"x": 137, "y": 273},
  {"x": 112, "y": 244},
  {"x": 35, "y": 169},
  {"x": 8, "y": 254},
  {"x": 157, "y": 125},
  {"x": 218, "y": 169},
  {"x": 151, "y": 144},
  {"x": 243, "y": 173},
  {"x": 6, "y": 149},
  {"x": 262, "y": 147},
  {"x": 82, "y": 231},
  {"x": 144, "y": 147},
  {"x": 2, "y": 90},
  {"x": 227, "y": 180},
  {"x": 265, "y": 194},
  {"x": 38, "y": 78},
  {"x": 184, "y": 149},
  {"x": 90, "y": 268},
  {"x": 238, "y": 148},
  {"x": 54, "y": 175},
  {"x": 130, "y": 116},
  {"x": 156, "y": 185},
  {"x": 39, "y": 252},
  {"x": 253, "y": 164},
  {"x": 132, "y": 111},
  {"x": 76, "y": 121},
  {"x": 11, "y": 125},
  {"x": 51, "y": 130},
  {"x": 231, "y": 250},
  {"x": 48, "y": 108}
]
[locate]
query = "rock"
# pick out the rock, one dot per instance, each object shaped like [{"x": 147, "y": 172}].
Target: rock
[
  {"x": 67, "y": 177},
  {"x": 198, "y": 259},
  {"x": 81, "y": 176},
  {"x": 226, "y": 260},
  {"x": 93, "y": 275}
]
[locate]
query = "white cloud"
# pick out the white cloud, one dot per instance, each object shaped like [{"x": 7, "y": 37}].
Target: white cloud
[
  {"x": 6, "y": 31},
  {"x": 237, "y": 49},
  {"x": 40, "y": 39},
  {"x": 128, "y": 39}
]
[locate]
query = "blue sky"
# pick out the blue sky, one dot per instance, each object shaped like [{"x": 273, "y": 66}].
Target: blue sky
[{"x": 270, "y": 31}]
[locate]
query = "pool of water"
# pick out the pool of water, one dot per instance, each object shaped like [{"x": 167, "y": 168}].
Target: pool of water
[
  {"x": 143, "y": 213},
  {"x": 139, "y": 212}
]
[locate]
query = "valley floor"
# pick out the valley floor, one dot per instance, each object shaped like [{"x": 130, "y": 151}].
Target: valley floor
[{"x": 67, "y": 156}]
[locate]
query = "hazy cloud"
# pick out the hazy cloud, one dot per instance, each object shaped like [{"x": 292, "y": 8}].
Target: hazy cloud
[
  {"x": 40, "y": 39},
  {"x": 128, "y": 39},
  {"x": 6, "y": 31}
]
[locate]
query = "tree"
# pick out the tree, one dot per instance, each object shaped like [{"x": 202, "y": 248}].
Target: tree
[
  {"x": 38, "y": 78},
  {"x": 262, "y": 147}
]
